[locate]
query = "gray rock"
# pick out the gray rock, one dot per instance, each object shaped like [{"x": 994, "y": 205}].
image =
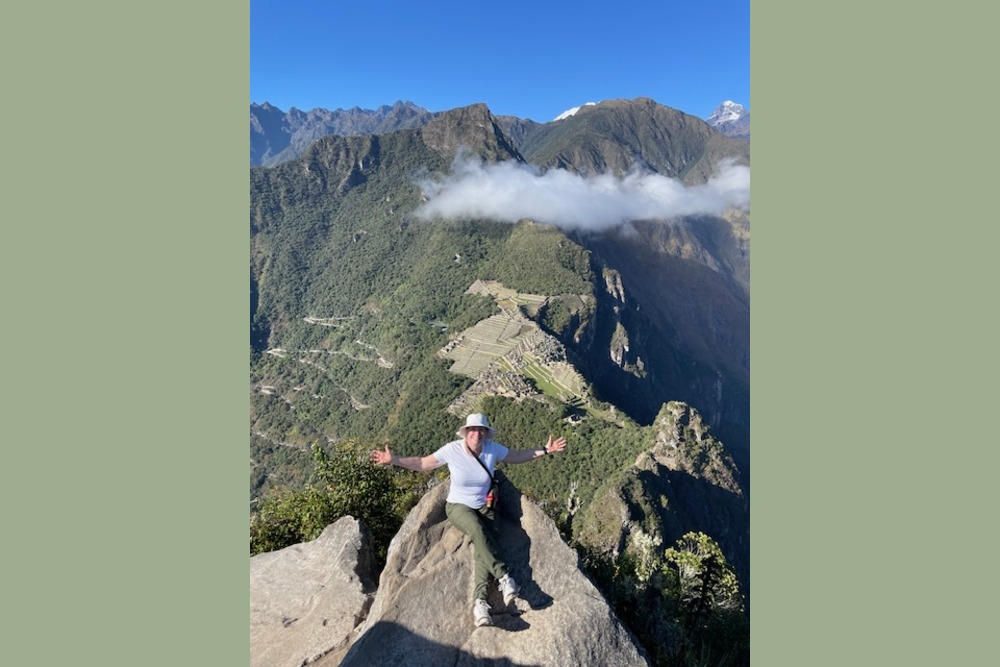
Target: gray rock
[
  {"x": 306, "y": 599},
  {"x": 422, "y": 613}
]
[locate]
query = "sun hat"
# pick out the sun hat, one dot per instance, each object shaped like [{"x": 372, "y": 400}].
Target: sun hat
[{"x": 477, "y": 419}]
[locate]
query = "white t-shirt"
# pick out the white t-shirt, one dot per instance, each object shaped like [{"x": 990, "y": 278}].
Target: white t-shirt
[{"x": 469, "y": 482}]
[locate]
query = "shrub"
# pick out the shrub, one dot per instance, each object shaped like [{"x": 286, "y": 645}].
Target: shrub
[{"x": 344, "y": 483}]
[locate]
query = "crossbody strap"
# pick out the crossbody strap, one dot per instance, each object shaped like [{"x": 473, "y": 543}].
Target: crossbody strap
[{"x": 493, "y": 479}]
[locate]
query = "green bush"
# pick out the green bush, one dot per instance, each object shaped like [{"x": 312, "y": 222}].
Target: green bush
[{"x": 343, "y": 484}]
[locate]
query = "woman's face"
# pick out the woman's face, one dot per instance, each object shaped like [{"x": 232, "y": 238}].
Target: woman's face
[{"x": 475, "y": 435}]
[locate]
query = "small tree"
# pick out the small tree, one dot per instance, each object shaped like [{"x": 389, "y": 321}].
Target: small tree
[
  {"x": 342, "y": 484},
  {"x": 711, "y": 607},
  {"x": 707, "y": 580}
]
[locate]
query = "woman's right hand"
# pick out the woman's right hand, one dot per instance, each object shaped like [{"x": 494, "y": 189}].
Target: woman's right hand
[{"x": 380, "y": 457}]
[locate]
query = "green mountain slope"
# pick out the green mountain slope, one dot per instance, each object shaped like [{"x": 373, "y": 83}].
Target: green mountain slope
[{"x": 618, "y": 135}]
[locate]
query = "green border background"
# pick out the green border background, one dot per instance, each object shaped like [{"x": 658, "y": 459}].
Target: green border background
[
  {"x": 124, "y": 281},
  {"x": 124, "y": 277},
  {"x": 873, "y": 331}
]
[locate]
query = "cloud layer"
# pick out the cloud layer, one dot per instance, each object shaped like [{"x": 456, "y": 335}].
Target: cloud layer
[{"x": 509, "y": 191}]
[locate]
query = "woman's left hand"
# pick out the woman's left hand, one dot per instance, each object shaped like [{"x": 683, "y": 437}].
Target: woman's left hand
[{"x": 556, "y": 445}]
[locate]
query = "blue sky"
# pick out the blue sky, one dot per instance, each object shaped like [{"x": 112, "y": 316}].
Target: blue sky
[{"x": 527, "y": 59}]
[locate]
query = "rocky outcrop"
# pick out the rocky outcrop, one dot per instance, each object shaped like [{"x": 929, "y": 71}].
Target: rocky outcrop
[
  {"x": 422, "y": 613},
  {"x": 684, "y": 443},
  {"x": 684, "y": 481},
  {"x": 306, "y": 599},
  {"x": 472, "y": 128}
]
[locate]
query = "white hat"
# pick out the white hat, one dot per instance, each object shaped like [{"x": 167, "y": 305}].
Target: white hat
[{"x": 477, "y": 419}]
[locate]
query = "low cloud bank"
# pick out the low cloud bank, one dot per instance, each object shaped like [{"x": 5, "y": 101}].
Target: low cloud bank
[{"x": 509, "y": 191}]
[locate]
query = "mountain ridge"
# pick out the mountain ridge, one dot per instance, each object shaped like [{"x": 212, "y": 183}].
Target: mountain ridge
[{"x": 277, "y": 136}]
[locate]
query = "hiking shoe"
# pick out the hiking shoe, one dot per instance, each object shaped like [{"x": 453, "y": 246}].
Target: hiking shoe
[
  {"x": 508, "y": 588},
  {"x": 481, "y": 613}
]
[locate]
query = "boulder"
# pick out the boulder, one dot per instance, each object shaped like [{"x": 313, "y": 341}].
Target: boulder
[
  {"x": 306, "y": 599},
  {"x": 422, "y": 612}
]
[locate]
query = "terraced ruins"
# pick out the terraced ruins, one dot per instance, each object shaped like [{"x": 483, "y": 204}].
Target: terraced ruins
[{"x": 509, "y": 355}]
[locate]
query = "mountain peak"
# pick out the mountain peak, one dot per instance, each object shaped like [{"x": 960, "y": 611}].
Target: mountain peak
[
  {"x": 726, "y": 112},
  {"x": 732, "y": 119}
]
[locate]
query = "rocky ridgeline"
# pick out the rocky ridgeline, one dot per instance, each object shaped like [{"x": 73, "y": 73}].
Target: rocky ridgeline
[
  {"x": 683, "y": 443},
  {"x": 309, "y": 603}
]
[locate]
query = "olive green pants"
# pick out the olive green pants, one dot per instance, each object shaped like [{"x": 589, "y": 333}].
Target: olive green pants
[{"x": 479, "y": 526}]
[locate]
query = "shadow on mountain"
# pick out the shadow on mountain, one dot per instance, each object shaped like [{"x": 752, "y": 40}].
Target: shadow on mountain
[
  {"x": 694, "y": 504},
  {"x": 685, "y": 308},
  {"x": 417, "y": 651}
]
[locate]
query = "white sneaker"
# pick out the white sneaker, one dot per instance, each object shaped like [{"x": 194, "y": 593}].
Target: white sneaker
[
  {"x": 508, "y": 588},
  {"x": 481, "y": 613}
]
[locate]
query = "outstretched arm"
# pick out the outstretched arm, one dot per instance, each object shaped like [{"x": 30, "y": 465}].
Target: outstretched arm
[
  {"x": 525, "y": 455},
  {"x": 418, "y": 463}
]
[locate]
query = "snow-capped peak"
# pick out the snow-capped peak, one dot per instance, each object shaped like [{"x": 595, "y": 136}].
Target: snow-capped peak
[
  {"x": 572, "y": 112},
  {"x": 726, "y": 112}
]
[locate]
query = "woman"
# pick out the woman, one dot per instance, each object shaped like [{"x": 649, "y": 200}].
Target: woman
[{"x": 471, "y": 462}]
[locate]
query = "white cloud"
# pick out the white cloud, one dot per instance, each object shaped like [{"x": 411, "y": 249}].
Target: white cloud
[{"x": 509, "y": 191}]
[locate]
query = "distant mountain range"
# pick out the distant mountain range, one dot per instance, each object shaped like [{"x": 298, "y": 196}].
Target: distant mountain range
[
  {"x": 277, "y": 136},
  {"x": 731, "y": 119}
]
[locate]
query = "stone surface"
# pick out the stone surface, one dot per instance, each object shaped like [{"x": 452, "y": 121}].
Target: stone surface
[
  {"x": 307, "y": 599},
  {"x": 422, "y": 613}
]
